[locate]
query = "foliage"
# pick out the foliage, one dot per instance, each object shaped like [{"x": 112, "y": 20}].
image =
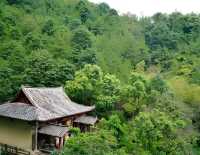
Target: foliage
[
  {"x": 81, "y": 39},
  {"x": 48, "y": 28},
  {"x": 85, "y": 85},
  {"x": 74, "y": 23},
  {"x": 97, "y": 143},
  {"x": 91, "y": 85},
  {"x": 158, "y": 84},
  {"x": 158, "y": 133},
  {"x": 184, "y": 91},
  {"x": 43, "y": 71},
  {"x": 91, "y": 50},
  {"x": 195, "y": 75},
  {"x": 135, "y": 93}
]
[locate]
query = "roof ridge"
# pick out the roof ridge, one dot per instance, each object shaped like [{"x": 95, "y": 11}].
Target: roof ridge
[{"x": 23, "y": 86}]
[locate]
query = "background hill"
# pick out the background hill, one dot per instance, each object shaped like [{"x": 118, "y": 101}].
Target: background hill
[
  {"x": 44, "y": 42},
  {"x": 73, "y": 33}
]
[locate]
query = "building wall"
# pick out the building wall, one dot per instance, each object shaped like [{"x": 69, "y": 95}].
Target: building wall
[{"x": 16, "y": 133}]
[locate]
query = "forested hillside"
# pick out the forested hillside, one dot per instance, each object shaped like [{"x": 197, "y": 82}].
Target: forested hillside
[{"x": 143, "y": 74}]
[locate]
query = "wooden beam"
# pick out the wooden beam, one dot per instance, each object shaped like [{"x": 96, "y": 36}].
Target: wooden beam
[{"x": 36, "y": 136}]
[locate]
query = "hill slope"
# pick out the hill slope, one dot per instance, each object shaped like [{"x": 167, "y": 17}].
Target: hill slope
[{"x": 48, "y": 42}]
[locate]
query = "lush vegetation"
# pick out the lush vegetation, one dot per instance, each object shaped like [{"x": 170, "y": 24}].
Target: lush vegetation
[{"x": 143, "y": 74}]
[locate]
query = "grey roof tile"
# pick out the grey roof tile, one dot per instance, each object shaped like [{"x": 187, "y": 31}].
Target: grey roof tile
[
  {"x": 55, "y": 100},
  {"x": 46, "y": 104},
  {"x": 90, "y": 120},
  {"x": 53, "y": 130},
  {"x": 26, "y": 112}
]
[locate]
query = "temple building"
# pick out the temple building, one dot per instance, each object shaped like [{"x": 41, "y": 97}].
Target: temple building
[{"x": 38, "y": 119}]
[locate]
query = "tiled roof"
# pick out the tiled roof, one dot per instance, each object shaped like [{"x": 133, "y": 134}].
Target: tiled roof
[
  {"x": 26, "y": 112},
  {"x": 53, "y": 130},
  {"x": 54, "y": 100},
  {"x": 45, "y": 104},
  {"x": 86, "y": 120}
]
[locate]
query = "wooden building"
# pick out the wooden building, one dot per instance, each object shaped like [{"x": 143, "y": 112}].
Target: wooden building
[{"x": 39, "y": 119}]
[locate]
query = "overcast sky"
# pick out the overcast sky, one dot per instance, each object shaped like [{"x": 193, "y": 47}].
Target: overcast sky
[{"x": 149, "y": 7}]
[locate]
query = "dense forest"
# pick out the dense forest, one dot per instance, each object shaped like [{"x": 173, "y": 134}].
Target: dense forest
[{"x": 142, "y": 74}]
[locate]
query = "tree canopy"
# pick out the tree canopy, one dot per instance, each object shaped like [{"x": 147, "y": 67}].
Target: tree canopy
[{"x": 142, "y": 74}]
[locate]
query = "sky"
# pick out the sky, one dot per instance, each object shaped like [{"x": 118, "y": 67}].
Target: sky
[{"x": 150, "y": 7}]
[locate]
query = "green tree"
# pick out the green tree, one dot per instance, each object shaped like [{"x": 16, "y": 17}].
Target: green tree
[
  {"x": 158, "y": 84},
  {"x": 109, "y": 94},
  {"x": 96, "y": 28},
  {"x": 9, "y": 82},
  {"x": 113, "y": 12},
  {"x": 1, "y": 29},
  {"x": 115, "y": 125},
  {"x": 81, "y": 39},
  {"x": 85, "y": 85},
  {"x": 74, "y": 23},
  {"x": 84, "y": 14},
  {"x": 159, "y": 35},
  {"x": 195, "y": 75},
  {"x": 83, "y": 57},
  {"x": 13, "y": 2},
  {"x": 135, "y": 93},
  {"x": 42, "y": 70},
  {"x": 48, "y": 28},
  {"x": 33, "y": 41},
  {"x": 103, "y": 8},
  {"x": 91, "y": 86},
  {"x": 157, "y": 133},
  {"x": 96, "y": 143}
]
